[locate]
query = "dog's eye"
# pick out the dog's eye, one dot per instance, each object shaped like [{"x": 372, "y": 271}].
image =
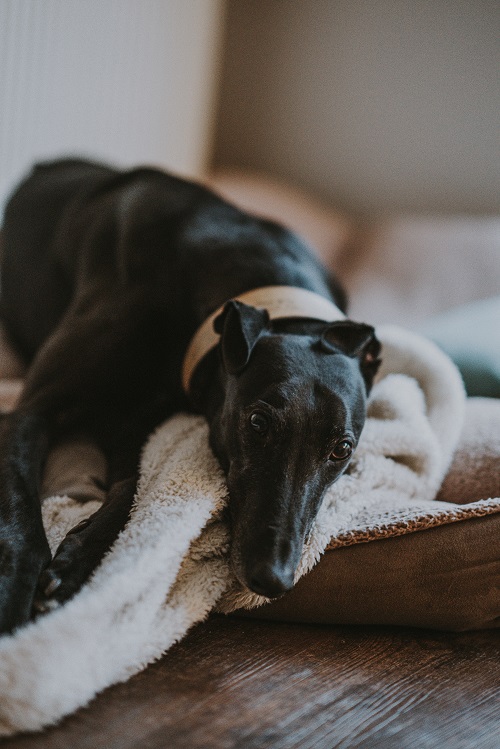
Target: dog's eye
[
  {"x": 259, "y": 422},
  {"x": 341, "y": 451}
]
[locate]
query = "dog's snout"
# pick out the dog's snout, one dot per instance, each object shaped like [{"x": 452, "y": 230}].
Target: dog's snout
[{"x": 270, "y": 580}]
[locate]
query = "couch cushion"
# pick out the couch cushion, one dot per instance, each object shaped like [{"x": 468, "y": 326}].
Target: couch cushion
[{"x": 406, "y": 270}]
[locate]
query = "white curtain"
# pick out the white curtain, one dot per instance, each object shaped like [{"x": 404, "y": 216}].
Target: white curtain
[{"x": 128, "y": 81}]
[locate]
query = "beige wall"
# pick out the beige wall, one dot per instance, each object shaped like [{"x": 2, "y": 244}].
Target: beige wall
[
  {"x": 130, "y": 81},
  {"x": 376, "y": 105}
]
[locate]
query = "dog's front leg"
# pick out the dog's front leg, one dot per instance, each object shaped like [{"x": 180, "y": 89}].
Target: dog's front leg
[
  {"x": 24, "y": 550},
  {"x": 92, "y": 364},
  {"x": 84, "y": 547}
]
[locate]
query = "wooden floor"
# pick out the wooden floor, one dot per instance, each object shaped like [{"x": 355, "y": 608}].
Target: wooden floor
[{"x": 259, "y": 685}]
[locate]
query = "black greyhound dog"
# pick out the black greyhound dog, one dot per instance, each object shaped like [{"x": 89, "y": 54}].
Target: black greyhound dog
[{"x": 106, "y": 275}]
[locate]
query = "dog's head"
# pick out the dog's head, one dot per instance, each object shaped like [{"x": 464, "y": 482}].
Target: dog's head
[{"x": 288, "y": 418}]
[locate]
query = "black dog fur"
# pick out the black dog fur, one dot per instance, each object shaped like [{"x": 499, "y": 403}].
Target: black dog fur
[{"x": 106, "y": 275}]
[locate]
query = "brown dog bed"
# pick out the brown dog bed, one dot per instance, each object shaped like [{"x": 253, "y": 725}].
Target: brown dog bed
[{"x": 442, "y": 574}]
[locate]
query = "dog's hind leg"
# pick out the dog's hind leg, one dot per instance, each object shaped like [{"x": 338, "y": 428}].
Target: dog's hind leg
[{"x": 24, "y": 550}]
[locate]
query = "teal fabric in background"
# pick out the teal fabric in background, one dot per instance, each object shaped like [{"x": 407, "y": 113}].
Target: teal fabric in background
[{"x": 470, "y": 335}]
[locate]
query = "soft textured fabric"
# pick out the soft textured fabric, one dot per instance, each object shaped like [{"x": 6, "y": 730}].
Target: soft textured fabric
[
  {"x": 169, "y": 567},
  {"x": 470, "y": 335},
  {"x": 475, "y": 469}
]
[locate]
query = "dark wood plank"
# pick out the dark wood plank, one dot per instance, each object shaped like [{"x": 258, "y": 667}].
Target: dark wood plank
[{"x": 266, "y": 685}]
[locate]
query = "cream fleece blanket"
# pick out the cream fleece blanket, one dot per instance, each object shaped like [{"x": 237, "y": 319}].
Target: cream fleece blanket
[{"x": 169, "y": 568}]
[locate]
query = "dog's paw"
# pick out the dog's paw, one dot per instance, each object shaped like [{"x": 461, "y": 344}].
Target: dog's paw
[
  {"x": 43, "y": 604},
  {"x": 57, "y": 584},
  {"x": 67, "y": 572}
]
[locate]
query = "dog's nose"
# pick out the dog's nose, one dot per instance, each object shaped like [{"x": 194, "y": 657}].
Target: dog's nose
[{"x": 270, "y": 580}]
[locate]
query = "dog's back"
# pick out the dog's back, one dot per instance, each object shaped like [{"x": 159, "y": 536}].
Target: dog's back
[{"x": 74, "y": 221}]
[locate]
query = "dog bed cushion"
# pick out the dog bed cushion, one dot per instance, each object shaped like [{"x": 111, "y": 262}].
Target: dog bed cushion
[
  {"x": 436, "y": 572},
  {"x": 440, "y": 572},
  {"x": 443, "y": 576}
]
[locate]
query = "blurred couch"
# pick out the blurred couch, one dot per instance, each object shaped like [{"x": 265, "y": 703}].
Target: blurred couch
[{"x": 409, "y": 270}]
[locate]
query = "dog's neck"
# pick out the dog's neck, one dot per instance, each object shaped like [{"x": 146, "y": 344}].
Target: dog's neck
[{"x": 280, "y": 302}]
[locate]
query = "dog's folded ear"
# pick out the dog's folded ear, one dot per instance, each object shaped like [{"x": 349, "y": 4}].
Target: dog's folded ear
[
  {"x": 356, "y": 340},
  {"x": 240, "y": 326}
]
